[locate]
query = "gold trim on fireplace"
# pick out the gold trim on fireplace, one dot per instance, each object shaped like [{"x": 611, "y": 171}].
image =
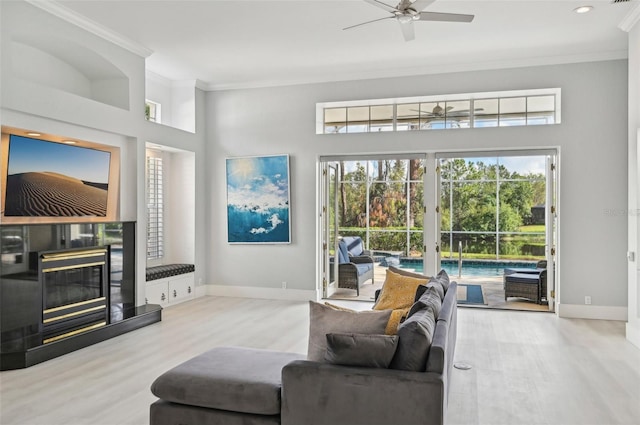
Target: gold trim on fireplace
[
  {"x": 75, "y": 313},
  {"x": 59, "y": 256},
  {"x": 76, "y": 332},
  {"x": 67, "y": 306},
  {"x": 75, "y": 266}
]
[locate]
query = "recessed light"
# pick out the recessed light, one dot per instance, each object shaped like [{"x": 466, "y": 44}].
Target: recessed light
[
  {"x": 69, "y": 142},
  {"x": 34, "y": 134},
  {"x": 583, "y": 9}
]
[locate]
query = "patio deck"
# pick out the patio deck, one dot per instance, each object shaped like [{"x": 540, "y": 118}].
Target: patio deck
[{"x": 492, "y": 290}]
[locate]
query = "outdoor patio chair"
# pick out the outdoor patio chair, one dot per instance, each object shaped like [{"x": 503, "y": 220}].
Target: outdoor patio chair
[
  {"x": 531, "y": 285},
  {"x": 355, "y": 246},
  {"x": 353, "y": 270}
]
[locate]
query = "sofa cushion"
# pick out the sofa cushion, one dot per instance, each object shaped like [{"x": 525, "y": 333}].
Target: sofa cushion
[
  {"x": 324, "y": 320},
  {"x": 360, "y": 349},
  {"x": 443, "y": 278},
  {"x": 168, "y": 270},
  {"x": 415, "y": 335},
  {"x": 397, "y": 316},
  {"x": 228, "y": 378},
  {"x": 398, "y": 291},
  {"x": 430, "y": 297},
  {"x": 354, "y": 245},
  {"x": 432, "y": 283},
  {"x": 343, "y": 254},
  {"x": 363, "y": 268}
]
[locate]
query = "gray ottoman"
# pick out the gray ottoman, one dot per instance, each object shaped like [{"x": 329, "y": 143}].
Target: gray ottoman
[{"x": 226, "y": 385}]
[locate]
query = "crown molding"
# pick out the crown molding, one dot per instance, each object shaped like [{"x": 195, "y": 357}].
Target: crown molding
[
  {"x": 167, "y": 82},
  {"x": 93, "y": 27},
  {"x": 629, "y": 21}
]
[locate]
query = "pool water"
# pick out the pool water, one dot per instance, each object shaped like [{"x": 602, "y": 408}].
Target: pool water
[{"x": 470, "y": 268}]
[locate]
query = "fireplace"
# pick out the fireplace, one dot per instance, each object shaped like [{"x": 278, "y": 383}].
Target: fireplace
[
  {"x": 74, "y": 291},
  {"x": 66, "y": 286}
]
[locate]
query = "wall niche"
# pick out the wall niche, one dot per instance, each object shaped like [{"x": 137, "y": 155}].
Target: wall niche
[{"x": 70, "y": 67}]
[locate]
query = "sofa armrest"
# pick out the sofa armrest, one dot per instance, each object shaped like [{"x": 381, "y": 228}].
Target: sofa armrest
[{"x": 318, "y": 393}]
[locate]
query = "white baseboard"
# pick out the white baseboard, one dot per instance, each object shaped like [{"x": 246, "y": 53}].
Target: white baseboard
[
  {"x": 598, "y": 312},
  {"x": 633, "y": 333},
  {"x": 201, "y": 291},
  {"x": 264, "y": 293}
]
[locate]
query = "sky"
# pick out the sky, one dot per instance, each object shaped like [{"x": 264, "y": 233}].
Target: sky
[
  {"x": 262, "y": 182},
  {"x": 33, "y": 155}
]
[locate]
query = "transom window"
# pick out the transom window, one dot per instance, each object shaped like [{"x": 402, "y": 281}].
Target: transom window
[{"x": 497, "y": 109}]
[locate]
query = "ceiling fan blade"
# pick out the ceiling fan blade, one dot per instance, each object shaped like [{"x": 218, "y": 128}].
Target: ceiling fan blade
[
  {"x": 408, "y": 32},
  {"x": 445, "y": 17},
  {"x": 420, "y": 5},
  {"x": 466, "y": 111},
  {"x": 368, "y": 22},
  {"x": 382, "y": 5}
]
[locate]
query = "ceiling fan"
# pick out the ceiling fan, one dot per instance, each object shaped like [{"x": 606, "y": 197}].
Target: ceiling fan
[
  {"x": 406, "y": 12},
  {"x": 440, "y": 112}
]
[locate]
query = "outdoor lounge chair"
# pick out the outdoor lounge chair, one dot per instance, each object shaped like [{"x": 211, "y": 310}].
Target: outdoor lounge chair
[{"x": 353, "y": 270}]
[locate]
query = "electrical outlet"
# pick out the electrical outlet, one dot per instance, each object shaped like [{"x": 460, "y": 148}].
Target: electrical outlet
[
  {"x": 284, "y": 285},
  {"x": 587, "y": 299}
]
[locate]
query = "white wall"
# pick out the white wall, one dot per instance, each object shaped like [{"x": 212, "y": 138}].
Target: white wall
[
  {"x": 158, "y": 90},
  {"x": 57, "y": 109},
  {"x": 633, "y": 324},
  {"x": 592, "y": 139},
  {"x": 177, "y": 100}
]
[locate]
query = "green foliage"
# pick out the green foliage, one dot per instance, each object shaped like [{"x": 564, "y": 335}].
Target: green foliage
[
  {"x": 469, "y": 190},
  {"x": 470, "y": 198}
]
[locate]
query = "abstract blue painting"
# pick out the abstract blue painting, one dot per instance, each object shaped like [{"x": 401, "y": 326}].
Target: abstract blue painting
[{"x": 258, "y": 209}]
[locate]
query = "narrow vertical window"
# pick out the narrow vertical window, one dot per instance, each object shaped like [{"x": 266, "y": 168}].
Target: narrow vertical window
[{"x": 155, "y": 204}]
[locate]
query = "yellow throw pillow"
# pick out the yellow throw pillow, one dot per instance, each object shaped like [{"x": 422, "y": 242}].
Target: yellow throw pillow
[
  {"x": 394, "y": 320},
  {"x": 398, "y": 292}
]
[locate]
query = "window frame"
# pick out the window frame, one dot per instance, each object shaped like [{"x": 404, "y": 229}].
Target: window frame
[
  {"x": 154, "y": 182},
  {"x": 475, "y": 119}
]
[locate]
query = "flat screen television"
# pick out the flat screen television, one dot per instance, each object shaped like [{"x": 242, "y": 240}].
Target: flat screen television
[{"x": 49, "y": 179}]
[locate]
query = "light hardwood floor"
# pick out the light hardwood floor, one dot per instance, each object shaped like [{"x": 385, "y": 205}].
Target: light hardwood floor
[{"x": 528, "y": 368}]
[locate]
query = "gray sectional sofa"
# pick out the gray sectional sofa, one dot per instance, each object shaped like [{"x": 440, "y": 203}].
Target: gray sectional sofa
[{"x": 232, "y": 385}]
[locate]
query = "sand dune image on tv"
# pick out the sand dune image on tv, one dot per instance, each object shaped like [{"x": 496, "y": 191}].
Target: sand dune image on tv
[
  {"x": 48, "y": 194},
  {"x": 48, "y": 178}
]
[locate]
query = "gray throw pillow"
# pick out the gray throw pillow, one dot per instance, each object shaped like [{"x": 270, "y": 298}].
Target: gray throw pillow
[
  {"x": 360, "y": 349},
  {"x": 430, "y": 298},
  {"x": 324, "y": 320},
  {"x": 414, "y": 340},
  {"x": 443, "y": 278},
  {"x": 432, "y": 283}
]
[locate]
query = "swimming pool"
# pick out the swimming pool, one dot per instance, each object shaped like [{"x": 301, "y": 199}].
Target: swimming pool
[{"x": 470, "y": 268}]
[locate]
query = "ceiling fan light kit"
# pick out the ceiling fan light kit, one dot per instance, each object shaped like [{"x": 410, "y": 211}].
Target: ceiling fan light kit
[{"x": 407, "y": 11}]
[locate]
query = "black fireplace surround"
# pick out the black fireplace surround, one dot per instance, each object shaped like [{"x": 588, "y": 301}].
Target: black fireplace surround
[{"x": 64, "y": 287}]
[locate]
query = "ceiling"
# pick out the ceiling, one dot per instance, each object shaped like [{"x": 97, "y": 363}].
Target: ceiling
[{"x": 237, "y": 44}]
